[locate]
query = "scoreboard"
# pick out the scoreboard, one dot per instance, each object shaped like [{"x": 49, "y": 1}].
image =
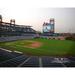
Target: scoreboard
[{"x": 48, "y": 27}]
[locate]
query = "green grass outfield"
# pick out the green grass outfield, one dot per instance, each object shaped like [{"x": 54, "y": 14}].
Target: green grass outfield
[{"x": 48, "y": 48}]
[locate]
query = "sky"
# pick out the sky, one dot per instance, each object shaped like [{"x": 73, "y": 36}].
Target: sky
[{"x": 36, "y": 16}]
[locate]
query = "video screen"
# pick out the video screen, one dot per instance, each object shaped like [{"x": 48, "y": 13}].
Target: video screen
[{"x": 47, "y": 28}]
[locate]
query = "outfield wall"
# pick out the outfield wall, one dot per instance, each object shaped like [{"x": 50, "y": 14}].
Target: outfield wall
[{"x": 54, "y": 37}]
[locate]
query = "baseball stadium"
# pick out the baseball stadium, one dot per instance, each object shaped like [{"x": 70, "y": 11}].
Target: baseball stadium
[{"x": 23, "y": 46}]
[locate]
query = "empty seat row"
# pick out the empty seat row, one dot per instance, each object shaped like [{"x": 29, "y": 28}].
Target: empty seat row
[{"x": 11, "y": 38}]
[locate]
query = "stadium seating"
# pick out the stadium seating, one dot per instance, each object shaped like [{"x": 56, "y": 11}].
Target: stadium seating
[
  {"x": 5, "y": 55},
  {"x": 20, "y": 60},
  {"x": 33, "y": 62},
  {"x": 14, "y": 62},
  {"x": 12, "y": 38}
]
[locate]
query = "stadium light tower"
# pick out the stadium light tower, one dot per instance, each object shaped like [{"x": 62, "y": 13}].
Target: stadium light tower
[
  {"x": 0, "y": 18},
  {"x": 12, "y": 22},
  {"x": 52, "y": 22},
  {"x": 48, "y": 28}
]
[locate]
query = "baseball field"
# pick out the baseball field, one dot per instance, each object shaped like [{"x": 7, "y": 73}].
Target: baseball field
[{"x": 41, "y": 47}]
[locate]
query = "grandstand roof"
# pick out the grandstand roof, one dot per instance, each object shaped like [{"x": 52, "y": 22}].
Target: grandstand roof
[{"x": 16, "y": 25}]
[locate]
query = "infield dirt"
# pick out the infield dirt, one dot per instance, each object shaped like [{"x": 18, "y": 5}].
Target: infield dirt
[{"x": 34, "y": 44}]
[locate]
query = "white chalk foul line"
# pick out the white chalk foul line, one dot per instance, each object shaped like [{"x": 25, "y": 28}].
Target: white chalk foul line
[
  {"x": 18, "y": 52},
  {"x": 5, "y": 50},
  {"x": 11, "y": 51}
]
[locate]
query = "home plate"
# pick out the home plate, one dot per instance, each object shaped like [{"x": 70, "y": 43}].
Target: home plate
[{"x": 60, "y": 60}]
